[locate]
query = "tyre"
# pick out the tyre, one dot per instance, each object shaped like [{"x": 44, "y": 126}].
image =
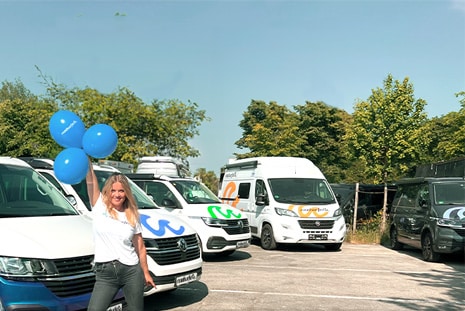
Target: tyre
[
  {"x": 333, "y": 247},
  {"x": 267, "y": 238},
  {"x": 427, "y": 250},
  {"x": 395, "y": 244}
]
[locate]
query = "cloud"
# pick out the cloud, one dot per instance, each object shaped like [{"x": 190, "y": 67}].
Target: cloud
[{"x": 458, "y": 5}]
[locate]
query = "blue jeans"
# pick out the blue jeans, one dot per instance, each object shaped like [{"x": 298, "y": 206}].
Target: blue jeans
[{"x": 110, "y": 277}]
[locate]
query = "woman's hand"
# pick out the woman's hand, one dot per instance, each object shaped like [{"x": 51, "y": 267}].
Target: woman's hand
[
  {"x": 149, "y": 281},
  {"x": 142, "y": 253}
]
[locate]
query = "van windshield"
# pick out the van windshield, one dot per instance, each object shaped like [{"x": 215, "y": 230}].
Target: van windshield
[
  {"x": 26, "y": 193},
  {"x": 301, "y": 191},
  {"x": 446, "y": 193},
  {"x": 194, "y": 192},
  {"x": 449, "y": 200}
]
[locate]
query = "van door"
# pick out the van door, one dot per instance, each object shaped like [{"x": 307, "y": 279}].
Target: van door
[
  {"x": 407, "y": 214},
  {"x": 420, "y": 213},
  {"x": 261, "y": 197}
]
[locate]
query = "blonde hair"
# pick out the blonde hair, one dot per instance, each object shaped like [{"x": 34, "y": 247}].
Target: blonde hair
[{"x": 130, "y": 206}]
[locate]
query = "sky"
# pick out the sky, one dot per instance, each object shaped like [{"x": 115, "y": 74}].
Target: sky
[{"x": 224, "y": 54}]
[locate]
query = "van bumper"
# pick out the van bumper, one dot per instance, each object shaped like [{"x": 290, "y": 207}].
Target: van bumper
[
  {"x": 34, "y": 296},
  {"x": 218, "y": 244},
  {"x": 303, "y": 230},
  {"x": 449, "y": 240}
]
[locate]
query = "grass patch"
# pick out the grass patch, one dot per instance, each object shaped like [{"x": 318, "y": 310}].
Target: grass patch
[{"x": 368, "y": 231}]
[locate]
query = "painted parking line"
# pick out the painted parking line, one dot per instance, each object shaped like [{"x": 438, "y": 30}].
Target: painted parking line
[
  {"x": 381, "y": 299},
  {"x": 338, "y": 269}
]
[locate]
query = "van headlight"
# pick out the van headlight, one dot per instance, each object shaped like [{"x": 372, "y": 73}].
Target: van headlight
[
  {"x": 447, "y": 222},
  {"x": 285, "y": 212},
  {"x": 14, "y": 267},
  {"x": 215, "y": 222},
  {"x": 337, "y": 212}
]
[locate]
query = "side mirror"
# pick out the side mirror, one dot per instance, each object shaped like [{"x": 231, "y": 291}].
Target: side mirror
[
  {"x": 262, "y": 200},
  {"x": 168, "y": 203},
  {"x": 423, "y": 203},
  {"x": 71, "y": 199}
]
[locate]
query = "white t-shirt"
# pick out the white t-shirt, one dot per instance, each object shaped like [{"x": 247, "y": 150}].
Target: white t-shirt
[{"x": 113, "y": 237}]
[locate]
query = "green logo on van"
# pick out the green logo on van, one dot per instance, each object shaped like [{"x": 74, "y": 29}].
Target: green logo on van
[{"x": 228, "y": 213}]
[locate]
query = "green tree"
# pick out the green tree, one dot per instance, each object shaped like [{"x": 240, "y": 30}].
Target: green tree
[
  {"x": 209, "y": 179},
  {"x": 24, "y": 122},
  {"x": 448, "y": 134},
  {"x": 159, "y": 128},
  {"x": 323, "y": 128},
  {"x": 386, "y": 132},
  {"x": 269, "y": 130}
]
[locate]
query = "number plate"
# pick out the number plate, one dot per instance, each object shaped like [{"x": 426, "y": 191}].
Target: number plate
[
  {"x": 184, "y": 279},
  {"x": 242, "y": 244},
  {"x": 318, "y": 237},
  {"x": 117, "y": 307}
]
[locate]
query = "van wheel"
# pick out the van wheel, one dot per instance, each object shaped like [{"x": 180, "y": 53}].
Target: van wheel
[
  {"x": 427, "y": 249},
  {"x": 395, "y": 244},
  {"x": 267, "y": 238}
]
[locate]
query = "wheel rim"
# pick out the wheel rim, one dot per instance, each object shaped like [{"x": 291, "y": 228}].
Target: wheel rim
[
  {"x": 427, "y": 247},
  {"x": 266, "y": 237}
]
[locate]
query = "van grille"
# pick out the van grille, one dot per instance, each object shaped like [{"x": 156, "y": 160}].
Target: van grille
[
  {"x": 74, "y": 265},
  {"x": 237, "y": 226},
  {"x": 170, "y": 251},
  {"x": 75, "y": 277},
  {"x": 316, "y": 224},
  {"x": 77, "y": 285}
]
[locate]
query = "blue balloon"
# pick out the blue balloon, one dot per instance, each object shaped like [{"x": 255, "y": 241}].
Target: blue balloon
[
  {"x": 71, "y": 166},
  {"x": 67, "y": 129},
  {"x": 99, "y": 141}
]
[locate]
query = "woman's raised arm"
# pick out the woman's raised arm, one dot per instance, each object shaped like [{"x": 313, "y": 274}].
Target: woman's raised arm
[{"x": 93, "y": 189}]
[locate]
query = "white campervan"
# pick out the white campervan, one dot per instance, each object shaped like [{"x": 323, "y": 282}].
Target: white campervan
[
  {"x": 286, "y": 199},
  {"x": 173, "y": 247},
  {"x": 46, "y": 247},
  {"x": 222, "y": 228}
]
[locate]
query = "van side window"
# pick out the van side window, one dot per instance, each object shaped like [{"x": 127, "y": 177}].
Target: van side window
[
  {"x": 260, "y": 188},
  {"x": 159, "y": 192},
  {"x": 407, "y": 195},
  {"x": 423, "y": 196},
  {"x": 244, "y": 190}
]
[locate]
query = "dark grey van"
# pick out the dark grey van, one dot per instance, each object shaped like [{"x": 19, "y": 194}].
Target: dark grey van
[{"x": 429, "y": 214}]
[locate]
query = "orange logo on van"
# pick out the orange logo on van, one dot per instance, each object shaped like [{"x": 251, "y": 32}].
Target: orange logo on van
[
  {"x": 228, "y": 193},
  {"x": 313, "y": 210}
]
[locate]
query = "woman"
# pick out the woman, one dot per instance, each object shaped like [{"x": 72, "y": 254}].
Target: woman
[{"x": 120, "y": 254}]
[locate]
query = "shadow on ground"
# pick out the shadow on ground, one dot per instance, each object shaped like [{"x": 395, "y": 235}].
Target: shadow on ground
[{"x": 181, "y": 297}]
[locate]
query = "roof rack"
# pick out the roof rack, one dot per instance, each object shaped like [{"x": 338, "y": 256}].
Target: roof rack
[{"x": 451, "y": 168}]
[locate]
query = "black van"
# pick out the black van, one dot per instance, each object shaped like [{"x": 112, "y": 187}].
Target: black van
[{"x": 429, "y": 214}]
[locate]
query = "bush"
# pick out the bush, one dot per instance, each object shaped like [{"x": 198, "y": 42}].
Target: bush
[{"x": 368, "y": 231}]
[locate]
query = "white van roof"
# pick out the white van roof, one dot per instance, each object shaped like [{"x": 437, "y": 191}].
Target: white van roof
[
  {"x": 281, "y": 167},
  {"x": 15, "y": 161},
  {"x": 163, "y": 165}
]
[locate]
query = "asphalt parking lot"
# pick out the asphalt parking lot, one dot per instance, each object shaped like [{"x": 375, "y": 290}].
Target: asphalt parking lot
[{"x": 305, "y": 277}]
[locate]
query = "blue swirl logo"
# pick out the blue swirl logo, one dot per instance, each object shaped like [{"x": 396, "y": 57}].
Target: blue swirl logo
[{"x": 162, "y": 226}]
